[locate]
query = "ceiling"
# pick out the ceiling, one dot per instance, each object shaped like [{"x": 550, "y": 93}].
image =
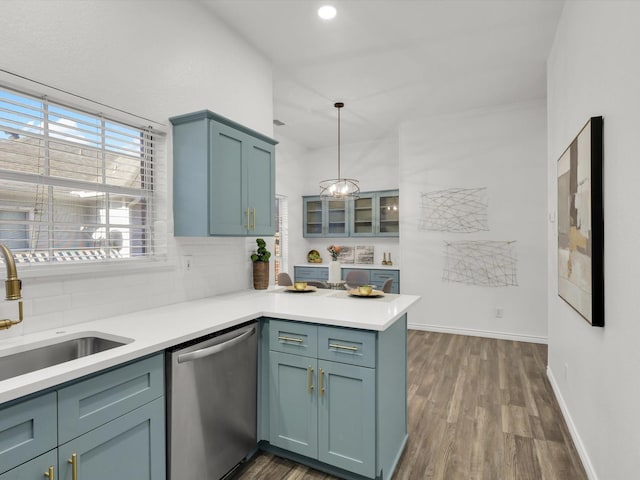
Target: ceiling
[{"x": 393, "y": 60}]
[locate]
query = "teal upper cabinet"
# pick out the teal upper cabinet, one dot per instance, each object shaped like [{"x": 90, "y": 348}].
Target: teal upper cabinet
[
  {"x": 372, "y": 214},
  {"x": 223, "y": 177},
  {"x": 376, "y": 214},
  {"x": 324, "y": 217}
]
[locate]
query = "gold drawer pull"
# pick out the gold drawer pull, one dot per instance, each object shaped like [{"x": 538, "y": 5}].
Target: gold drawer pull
[
  {"x": 321, "y": 381},
  {"x": 310, "y": 378},
  {"x": 343, "y": 347},
  {"x": 50, "y": 473},
  {"x": 290, "y": 339},
  {"x": 74, "y": 466}
]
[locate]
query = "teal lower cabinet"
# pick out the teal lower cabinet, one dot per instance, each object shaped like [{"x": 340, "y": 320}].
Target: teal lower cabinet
[
  {"x": 131, "y": 446},
  {"x": 294, "y": 416},
  {"x": 338, "y": 405},
  {"x": 105, "y": 426}
]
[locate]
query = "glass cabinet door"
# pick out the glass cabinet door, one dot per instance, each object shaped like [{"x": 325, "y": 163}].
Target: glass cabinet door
[
  {"x": 363, "y": 215},
  {"x": 312, "y": 217},
  {"x": 336, "y": 218},
  {"x": 388, "y": 214}
]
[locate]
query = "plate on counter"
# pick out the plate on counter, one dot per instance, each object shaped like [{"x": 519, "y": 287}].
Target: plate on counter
[
  {"x": 374, "y": 293},
  {"x": 306, "y": 290}
]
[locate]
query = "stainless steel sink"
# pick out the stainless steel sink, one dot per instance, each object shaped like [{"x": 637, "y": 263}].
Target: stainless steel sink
[{"x": 65, "y": 350}]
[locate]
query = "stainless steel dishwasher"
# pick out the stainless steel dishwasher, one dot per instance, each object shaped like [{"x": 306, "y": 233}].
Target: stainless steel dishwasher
[{"x": 212, "y": 404}]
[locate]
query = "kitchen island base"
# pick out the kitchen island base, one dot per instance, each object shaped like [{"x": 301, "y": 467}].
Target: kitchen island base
[{"x": 334, "y": 398}]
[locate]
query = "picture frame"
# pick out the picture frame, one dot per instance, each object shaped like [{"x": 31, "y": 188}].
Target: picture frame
[{"x": 580, "y": 223}]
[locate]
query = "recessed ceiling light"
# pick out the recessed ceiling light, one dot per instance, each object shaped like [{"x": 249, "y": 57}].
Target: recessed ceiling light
[{"x": 327, "y": 12}]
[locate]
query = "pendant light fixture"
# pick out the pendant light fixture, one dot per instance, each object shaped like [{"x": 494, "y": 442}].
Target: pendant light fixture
[{"x": 339, "y": 187}]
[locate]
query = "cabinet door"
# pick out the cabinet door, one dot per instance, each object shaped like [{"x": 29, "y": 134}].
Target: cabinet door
[
  {"x": 228, "y": 214},
  {"x": 293, "y": 415},
  {"x": 388, "y": 214},
  {"x": 337, "y": 218},
  {"x": 27, "y": 429},
  {"x": 260, "y": 174},
  {"x": 129, "y": 447},
  {"x": 312, "y": 217},
  {"x": 346, "y": 417},
  {"x": 363, "y": 221},
  {"x": 34, "y": 469}
]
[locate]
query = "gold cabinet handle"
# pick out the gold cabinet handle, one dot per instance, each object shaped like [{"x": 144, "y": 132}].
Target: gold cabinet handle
[
  {"x": 343, "y": 347},
  {"x": 321, "y": 382},
  {"x": 290, "y": 339},
  {"x": 74, "y": 466},
  {"x": 50, "y": 474},
  {"x": 247, "y": 225},
  {"x": 310, "y": 378},
  {"x": 254, "y": 218}
]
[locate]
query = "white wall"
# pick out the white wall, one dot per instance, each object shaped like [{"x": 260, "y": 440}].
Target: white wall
[
  {"x": 374, "y": 164},
  {"x": 504, "y": 150},
  {"x": 156, "y": 60},
  {"x": 593, "y": 69}
]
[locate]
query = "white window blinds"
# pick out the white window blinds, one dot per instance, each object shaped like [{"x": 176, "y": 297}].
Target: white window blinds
[{"x": 74, "y": 186}]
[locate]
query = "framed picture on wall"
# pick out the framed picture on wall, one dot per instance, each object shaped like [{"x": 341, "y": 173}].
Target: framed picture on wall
[{"x": 581, "y": 224}]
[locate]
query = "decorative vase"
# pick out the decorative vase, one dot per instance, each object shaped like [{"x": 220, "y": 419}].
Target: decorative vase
[
  {"x": 260, "y": 275},
  {"x": 334, "y": 271}
]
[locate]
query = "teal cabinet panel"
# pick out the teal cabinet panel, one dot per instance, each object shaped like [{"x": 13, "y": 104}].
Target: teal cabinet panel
[
  {"x": 92, "y": 402},
  {"x": 306, "y": 274},
  {"x": 324, "y": 217},
  {"x": 346, "y": 417},
  {"x": 224, "y": 179},
  {"x": 293, "y": 420},
  {"x": 293, "y": 337},
  {"x": 345, "y": 345},
  {"x": 129, "y": 447},
  {"x": 27, "y": 429},
  {"x": 34, "y": 469},
  {"x": 227, "y": 205},
  {"x": 261, "y": 188}
]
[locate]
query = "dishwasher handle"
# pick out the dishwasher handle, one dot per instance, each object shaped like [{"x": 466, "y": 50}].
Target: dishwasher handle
[{"x": 205, "y": 352}]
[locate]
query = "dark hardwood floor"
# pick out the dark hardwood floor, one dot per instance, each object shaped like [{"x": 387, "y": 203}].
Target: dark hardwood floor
[{"x": 478, "y": 409}]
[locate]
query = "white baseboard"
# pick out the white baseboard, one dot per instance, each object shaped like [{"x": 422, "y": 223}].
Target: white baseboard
[
  {"x": 577, "y": 440},
  {"x": 478, "y": 333}
]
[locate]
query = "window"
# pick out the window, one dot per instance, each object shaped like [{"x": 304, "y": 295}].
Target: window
[
  {"x": 74, "y": 186},
  {"x": 281, "y": 243}
]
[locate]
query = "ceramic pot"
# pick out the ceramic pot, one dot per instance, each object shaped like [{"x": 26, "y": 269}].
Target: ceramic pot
[{"x": 260, "y": 275}]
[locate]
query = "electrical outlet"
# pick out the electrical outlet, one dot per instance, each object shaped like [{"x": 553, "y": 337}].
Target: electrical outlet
[
  {"x": 499, "y": 312},
  {"x": 186, "y": 263}
]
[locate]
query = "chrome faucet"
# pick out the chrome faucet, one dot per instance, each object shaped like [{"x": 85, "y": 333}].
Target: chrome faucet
[{"x": 13, "y": 286}]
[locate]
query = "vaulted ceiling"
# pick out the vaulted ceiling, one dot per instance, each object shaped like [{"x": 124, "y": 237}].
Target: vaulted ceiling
[{"x": 393, "y": 60}]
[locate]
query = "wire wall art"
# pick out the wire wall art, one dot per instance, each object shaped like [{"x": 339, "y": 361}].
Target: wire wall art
[
  {"x": 483, "y": 263},
  {"x": 455, "y": 210}
]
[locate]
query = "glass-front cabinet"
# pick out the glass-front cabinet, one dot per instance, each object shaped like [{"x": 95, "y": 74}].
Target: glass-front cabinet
[
  {"x": 325, "y": 217},
  {"x": 376, "y": 214},
  {"x": 372, "y": 214},
  {"x": 388, "y": 213}
]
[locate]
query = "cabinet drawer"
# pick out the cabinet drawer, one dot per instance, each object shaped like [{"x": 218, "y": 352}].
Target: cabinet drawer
[
  {"x": 356, "y": 347},
  {"x": 95, "y": 401},
  {"x": 27, "y": 429},
  {"x": 382, "y": 275},
  {"x": 293, "y": 337},
  {"x": 33, "y": 469},
  {"x": 310, "y": 273}
]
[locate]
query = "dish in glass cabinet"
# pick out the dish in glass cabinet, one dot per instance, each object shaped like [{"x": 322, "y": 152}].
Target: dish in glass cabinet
[
  {"x": 374, "y": 293},
  {"x": 306, "y": 290}
]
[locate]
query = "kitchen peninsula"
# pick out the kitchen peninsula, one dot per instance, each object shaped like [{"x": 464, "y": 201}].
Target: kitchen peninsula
[{"x": 360, "y": 341}]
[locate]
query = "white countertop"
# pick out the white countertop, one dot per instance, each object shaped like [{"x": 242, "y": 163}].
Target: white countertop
[{"x": 159, "y": 328}]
